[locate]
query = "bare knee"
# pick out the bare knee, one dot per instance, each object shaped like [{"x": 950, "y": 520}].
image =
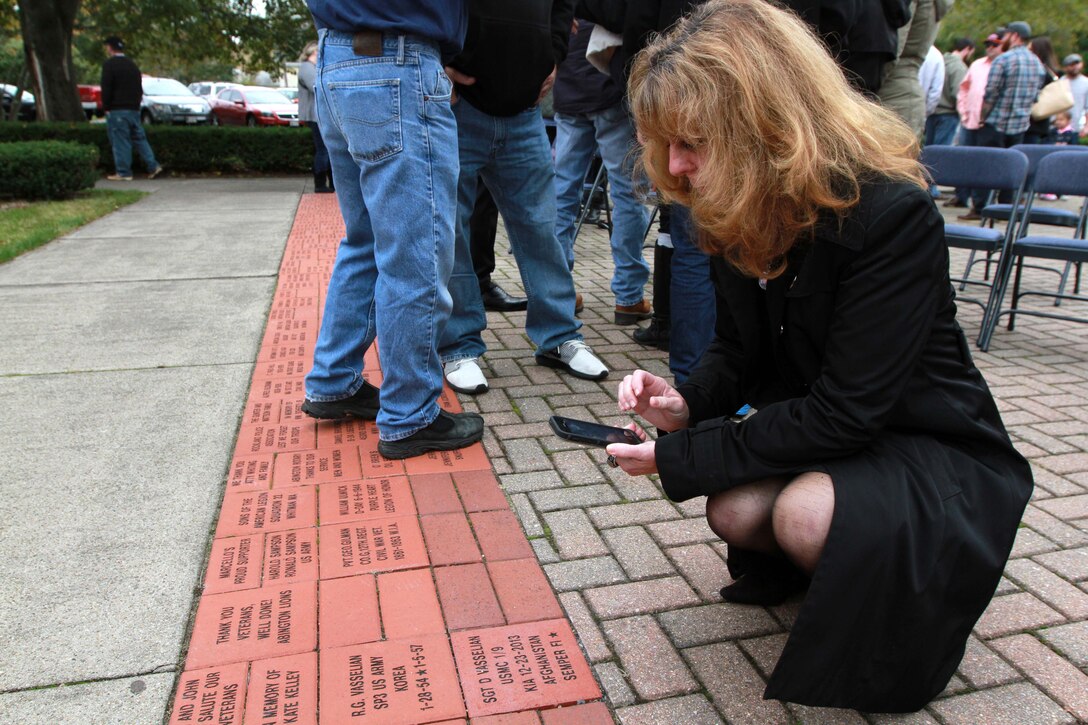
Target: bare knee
[
  {"x": 802, "y": 518},
  {"x": 742, "y": 515}
]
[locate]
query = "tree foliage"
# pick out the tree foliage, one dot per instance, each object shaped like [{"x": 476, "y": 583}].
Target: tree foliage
[{"x": 1065, "y": 21}]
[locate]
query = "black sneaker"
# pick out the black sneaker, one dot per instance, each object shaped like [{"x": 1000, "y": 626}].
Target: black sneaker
[
  {"x": 656, "y": 334},
  {"x": 364, "y": 404},
  {"x": 448, "y": 432}
]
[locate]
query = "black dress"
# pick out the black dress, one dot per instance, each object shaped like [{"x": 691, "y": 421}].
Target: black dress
[{"x": 857, "y": 367}]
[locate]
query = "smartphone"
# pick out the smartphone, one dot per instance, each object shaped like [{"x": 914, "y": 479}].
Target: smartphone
[{"x": 594, "y": 434}]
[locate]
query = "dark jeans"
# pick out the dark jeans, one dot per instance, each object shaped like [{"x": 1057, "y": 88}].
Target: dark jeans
[
  {"x": 692, "y": 298},
  {"x": 321, "y": 154},
  {"x": 941, "y": 129},
  {"x": 991, "y": 137}
]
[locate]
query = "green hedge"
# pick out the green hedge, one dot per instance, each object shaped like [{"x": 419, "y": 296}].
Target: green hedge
[
  {"x": 189, "y": 149},
  {"x": 46, "y": 169}
]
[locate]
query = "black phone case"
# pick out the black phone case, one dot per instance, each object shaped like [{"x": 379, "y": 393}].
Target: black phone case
[{"x": 567, "y": 435}]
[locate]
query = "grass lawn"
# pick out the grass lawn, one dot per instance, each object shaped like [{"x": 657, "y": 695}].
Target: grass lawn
[{"x": 26, "y": 225}]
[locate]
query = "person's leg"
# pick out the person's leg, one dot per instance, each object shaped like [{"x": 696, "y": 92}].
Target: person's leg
[
  {"x": 139, "y": 140},
  {"x": 462, "y": 337},
  {"x": 968, "y": 137},
  {"x": 574, "y": 147},
  {"x": 120, "y": 143},
  {"x": 743, "y": 516},
  {"x": 522, "y": 181},
  {"x": 616, "y": 139},
  {"x": 945, "y": 128},
  {"x": 391, "y": 138},
  {"x": 692, "y": 300},
  {"x": 802, "y": 518},
  {"x": 321, "y": 167}
]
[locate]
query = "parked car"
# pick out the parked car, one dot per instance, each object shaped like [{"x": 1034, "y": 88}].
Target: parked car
[
  {"x": 210, "y": 89},
  {"x": 91, "y": 99},
  {"x": 291, "y": 93},
  {"x": 28, "y": 108},
  {"x": 253, "y": 106},
  {"x": 168, "y": 101}
]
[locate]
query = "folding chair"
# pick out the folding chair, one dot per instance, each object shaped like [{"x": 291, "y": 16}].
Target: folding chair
[
  {"x": 979, "y": 167},
  {"x": 1062, "y": 172},
  {"x": 597, "y": 190},
  {"x": 1052, "y": 216}
]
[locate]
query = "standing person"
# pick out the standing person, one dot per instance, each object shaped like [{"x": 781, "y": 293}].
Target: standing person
[
  {"x": 307, "y": 77},
  {"x": 1011, "y": 89},
  {"x": 931, "y": 78},
  {"x": 122, "y": 91},
  {"x": 1078, "y": 85},
  {"x": 876, "y": 462},
  {"x": 969, "y": 106},
  {"x": 944, "y": 122},
  {"x": 901, "y": 90},
  {"x": 507, "y": 66},
  {"x": 483, "y": 228},
  {"x": 383, "y": 103},
  {"x": 1040, "y": 131},
  {"x": 590, "y": 117}
]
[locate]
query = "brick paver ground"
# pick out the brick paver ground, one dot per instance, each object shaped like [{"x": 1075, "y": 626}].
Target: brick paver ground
[{"x": 412, "y": 592}]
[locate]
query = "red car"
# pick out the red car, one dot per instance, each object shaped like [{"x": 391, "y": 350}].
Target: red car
[
  {"x": 91, "y": 99},
  {"x": 253, "y": 106}
]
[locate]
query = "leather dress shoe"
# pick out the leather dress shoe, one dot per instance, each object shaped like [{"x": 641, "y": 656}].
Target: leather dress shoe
[
  {"x": 496, "y": 299},
  {"x": 630, "y": 314}
]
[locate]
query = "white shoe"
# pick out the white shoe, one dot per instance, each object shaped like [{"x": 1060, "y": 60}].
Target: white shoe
[
  {"x": 575, "y": 357},
  {"x": 465, "y": 376}
]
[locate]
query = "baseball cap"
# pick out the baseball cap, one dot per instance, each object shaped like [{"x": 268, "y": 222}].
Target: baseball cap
[
  {"x": 114, "y": 42},
  {"x": 993, "y": 39},
  {"x": 1072, "y": 58},
  {"x": 1020, "y": 28}
]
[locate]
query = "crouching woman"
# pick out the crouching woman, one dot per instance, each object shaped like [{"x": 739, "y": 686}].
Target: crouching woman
[{"x": 876, "y": 470}]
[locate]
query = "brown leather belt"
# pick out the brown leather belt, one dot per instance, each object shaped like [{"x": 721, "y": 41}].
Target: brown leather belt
[{"x": 367, "y": 42}]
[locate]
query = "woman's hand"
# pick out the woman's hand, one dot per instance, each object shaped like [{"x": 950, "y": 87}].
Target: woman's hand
[
  {"x": 637, "y": 460},
  {"x": 653, "y": 399}
]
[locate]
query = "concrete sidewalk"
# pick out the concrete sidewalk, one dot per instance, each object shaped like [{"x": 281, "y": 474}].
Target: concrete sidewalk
[
  {"x": 127, "y": 352},
  {"x": 126, "y": 362}
]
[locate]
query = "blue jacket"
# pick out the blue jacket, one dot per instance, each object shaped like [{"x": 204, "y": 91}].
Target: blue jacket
[{"x": 443, "y": 21}]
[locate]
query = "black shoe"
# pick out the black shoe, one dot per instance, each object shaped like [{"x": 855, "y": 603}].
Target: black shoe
[
  {"x": 448, "y": 432},
  {"x": 364, "y": 404},
  {"x": 497, "y": 300},
  {"x": 656, "y": 334},
  {"x": 766, "y": 587}
]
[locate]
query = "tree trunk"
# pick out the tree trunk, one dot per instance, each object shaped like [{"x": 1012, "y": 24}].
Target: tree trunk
[{"x": 47, "y": 41}]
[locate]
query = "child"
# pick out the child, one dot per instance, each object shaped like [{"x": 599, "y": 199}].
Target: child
[{"x": 1063, "y": 127}]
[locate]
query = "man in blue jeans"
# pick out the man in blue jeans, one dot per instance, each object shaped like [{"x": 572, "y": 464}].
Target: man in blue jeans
[
  {"x": 122, "y": 91},
  {"x": 590, "y": 115},
  {"x": 383, "y": 104},
  {"x": 507, "y": 65}
]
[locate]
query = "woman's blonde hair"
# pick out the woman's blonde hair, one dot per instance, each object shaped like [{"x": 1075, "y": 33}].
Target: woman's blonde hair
[
  {"x": 782, "y": 135},
  {"x": 307, "y": 51}
]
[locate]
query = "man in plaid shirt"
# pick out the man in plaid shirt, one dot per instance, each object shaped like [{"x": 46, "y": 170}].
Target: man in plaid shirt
[{"x": 1013, "y": 85}]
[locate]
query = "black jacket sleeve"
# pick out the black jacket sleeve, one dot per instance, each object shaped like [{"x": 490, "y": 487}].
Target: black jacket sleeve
[
  {"x": 885, "y": 305},
  {"x": 606, "y": 13},
  {"x": 562, "y": 19}
]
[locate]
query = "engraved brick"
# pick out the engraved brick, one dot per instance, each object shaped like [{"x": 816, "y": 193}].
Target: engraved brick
[
  {"x": 632, "y": 514},
  {"x": 500, "y": 535},
  {"x": 290, "y": 556},
  {"x": 588, "y": 632},
  {"x": 647, "y": 656},
  {"x": 467, "y": 597},
  {"x": 704, "y": 570},
  {"x": 324, "y": 466},
  {"x": 574, "y": 534},
  {"x": 690, "y": 710},
  {"x": 1019, "y": 703},
  {"x": 1015, "y": 613},
  {"x": 217, "y": 693},
  {"x": 582, "y": 574},
  {"x": 734, "y": 685},
  {"x": 251, "y": 512},
  {"x": 637, "y": 553},
  {"x": 715, "y": 623},
  {"x": 1057, "y": 677},
  {"x": 655, "y": 595},
  {"x": 362, "y": 547},
  {"x": 234, "y": 563},
  {"x": 1049, "y": 587},
  {"x": 283, "y": 690},
  {"x": 250, "y": 472}
]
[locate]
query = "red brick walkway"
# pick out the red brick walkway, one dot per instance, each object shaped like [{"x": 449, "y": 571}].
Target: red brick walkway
[{"x": 344, "y": 587}]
